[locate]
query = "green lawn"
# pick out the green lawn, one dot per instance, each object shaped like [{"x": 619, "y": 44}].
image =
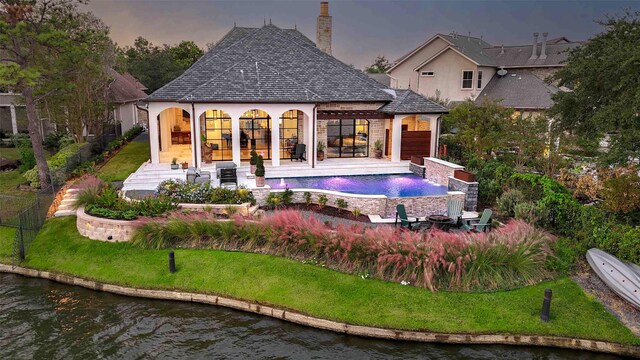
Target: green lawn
[
  {"x": 9, "y": 153},
  {"x": 6, "y": 243},
  {"x": 125, "y": 162},
  {"x": 324, "y": 293}
]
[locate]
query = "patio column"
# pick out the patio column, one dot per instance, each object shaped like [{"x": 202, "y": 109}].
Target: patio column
[
  {"x": 396, "y": 137},
  {"x": 14, "y": 119},
  {"x": 275, "y": 140},
  {"x": 433, "y": 126},
  {"x": 308, "y": 138},
  {"x": 196, "y": 143},
  {"x": 235, "y": 138},
  {"x": 154, "y": 130}
]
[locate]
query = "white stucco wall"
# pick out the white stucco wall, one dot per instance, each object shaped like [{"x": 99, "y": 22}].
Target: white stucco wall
[
  {"x": 448, "y": 68},
  {"x": 405, "y": 73}
]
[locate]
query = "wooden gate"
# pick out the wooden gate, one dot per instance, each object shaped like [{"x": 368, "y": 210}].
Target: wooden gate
[{"x": 415, "y": 143}]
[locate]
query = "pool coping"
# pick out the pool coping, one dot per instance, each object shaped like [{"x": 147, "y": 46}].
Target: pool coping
[{"x": 339, "y": 327}]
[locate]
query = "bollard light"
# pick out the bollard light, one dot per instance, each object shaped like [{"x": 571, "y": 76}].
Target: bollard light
[
  {"x": 172, "y": 262},
  {"x": 546, "y": 306}
]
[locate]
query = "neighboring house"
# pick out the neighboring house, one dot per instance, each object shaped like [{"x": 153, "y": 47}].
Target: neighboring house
[
  {"x": 124, "y": 93},
  {"x": 457, "y": 68},
  {"x": 270, "y": 88}
]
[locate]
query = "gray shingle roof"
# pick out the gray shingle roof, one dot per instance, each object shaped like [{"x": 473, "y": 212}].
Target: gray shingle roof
[
  {"x": 383, "y": 79},
  {"x": 270, "y": 64},
  {"x": 122, "y": 89},
  {"x": 518, "y": 56},
  {"x": 472, "y": 47},
  {"x": 519, "y": 89},
  {"x": 409, "y": 102}
]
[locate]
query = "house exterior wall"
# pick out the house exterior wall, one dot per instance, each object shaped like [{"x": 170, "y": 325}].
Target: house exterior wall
[
  {"x": 447, "y": 79},
  {"x": 127, "y": 115},
  {"x": 404, "y": 73}
]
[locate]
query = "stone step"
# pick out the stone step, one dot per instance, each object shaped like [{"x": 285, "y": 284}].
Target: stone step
[{"x": 61, "y": 213}]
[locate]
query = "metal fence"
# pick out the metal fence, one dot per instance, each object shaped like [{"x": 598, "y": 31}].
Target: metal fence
[
  {"x": 27, "y": 214},
  {"x": 29, "y": 222}
]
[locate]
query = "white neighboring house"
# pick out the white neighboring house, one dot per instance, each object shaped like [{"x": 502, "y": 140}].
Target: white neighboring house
[
  {"x": 458, "y": 68},
  {"x": 124, "y": 93}
]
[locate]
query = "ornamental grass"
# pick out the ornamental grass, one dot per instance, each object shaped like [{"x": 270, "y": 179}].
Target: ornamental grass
[{"x": 512, "y": 256}]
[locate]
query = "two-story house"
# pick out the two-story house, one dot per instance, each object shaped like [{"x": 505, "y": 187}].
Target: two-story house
[{"x": 456, "y": 68}]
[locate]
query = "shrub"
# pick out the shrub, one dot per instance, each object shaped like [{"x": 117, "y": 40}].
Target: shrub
[
  {"x": 514, "y": 255},
  {"x": 622, "y": 193},
  {"x": 27, "y": 159},
  {"x": 322, "y": 200},
  {"x": 90, "y": 188},
  {"x": 56, "y": 162},
  {"x": 526, "y": 211},
  {"x": 260, "y": 171},
  {"x": 307, "y": 197},
  {"x": 356, "y": 212},
  {"x": 108, "y": 204},
  {"x": 181, "y": 191},
  {"x": 508, "y": 200},
  {"x": 341, "y": 203},
  {"x": 132, "y": 133},
  {"x": 622, "y": 241}
]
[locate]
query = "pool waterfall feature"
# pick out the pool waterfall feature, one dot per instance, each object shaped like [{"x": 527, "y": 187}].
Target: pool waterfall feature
[{"x": 425, "y": 192}]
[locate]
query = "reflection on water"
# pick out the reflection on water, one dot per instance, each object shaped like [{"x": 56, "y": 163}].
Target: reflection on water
[{"x": 44, "y": 320}]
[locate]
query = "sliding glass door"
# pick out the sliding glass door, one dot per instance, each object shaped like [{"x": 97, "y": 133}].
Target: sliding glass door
[{"x": 347, "y": 138}]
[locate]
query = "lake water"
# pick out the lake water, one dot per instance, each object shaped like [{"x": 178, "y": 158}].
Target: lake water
[{"x": 40, "y": 319}]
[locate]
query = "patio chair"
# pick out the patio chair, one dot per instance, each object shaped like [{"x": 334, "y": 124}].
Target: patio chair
[
  {"x": 196, "y": 176},
  {"x": 484, "y": 224},
  {"x": 224, "y": 165},
  {"x": 454, "y": 211},
  {"x": 228, "y": 176},
  {"x": 405, "y": 221},
  {"x": 298, "y": 152}
]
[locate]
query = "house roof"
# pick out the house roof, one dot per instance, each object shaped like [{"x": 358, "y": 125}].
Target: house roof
[
  {"x": 519, "y": 56},
  {"x": 519, "y": 89},
  {"x": 485, "y": 54},
  {"x": 270, "y": 64},
  {"x": 122, "y": 90},
  {"x": 134, "y": 81},
  {"x": 409, "y": 102},
  {"x": 383, "y": 79}
]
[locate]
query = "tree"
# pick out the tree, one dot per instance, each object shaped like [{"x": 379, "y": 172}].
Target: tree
[
  {"x": 38, "y": 42},
  {"x": 155, "y": 66},
  {"x": 85, "y": 104},
  {"x": 380, "y": 66},
  {"x": 481, "y": 129},
  {"x": 605, "y": 97}
]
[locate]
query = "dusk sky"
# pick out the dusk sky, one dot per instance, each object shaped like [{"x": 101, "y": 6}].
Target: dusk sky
[{"x": 362, "y": 30}]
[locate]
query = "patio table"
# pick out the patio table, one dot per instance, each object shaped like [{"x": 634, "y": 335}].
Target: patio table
[{"x": 441, "y": 222}]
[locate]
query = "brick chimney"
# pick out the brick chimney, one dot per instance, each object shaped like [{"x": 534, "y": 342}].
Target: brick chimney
[{"x": 323, "y": 30}]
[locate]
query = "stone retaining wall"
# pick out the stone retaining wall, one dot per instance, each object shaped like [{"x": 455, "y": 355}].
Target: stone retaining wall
[
  {"x": 339, "y": 327},
  {"x": 438, "y": 171},
  {"x": 110, "y": 230},
  {"x": 469, "y": 188},
  {"x": 417, "y": 169}
]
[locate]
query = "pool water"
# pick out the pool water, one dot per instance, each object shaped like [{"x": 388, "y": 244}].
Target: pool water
[{"x": 400, "y": 185}]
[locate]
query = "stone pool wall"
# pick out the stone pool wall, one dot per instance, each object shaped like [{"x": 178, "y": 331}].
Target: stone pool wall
[
  {"x": 438, "y": 171},
  {"x": 372, "y": 204}
]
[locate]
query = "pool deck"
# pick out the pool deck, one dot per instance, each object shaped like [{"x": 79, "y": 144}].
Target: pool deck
[{"x": 149, "y": 176}]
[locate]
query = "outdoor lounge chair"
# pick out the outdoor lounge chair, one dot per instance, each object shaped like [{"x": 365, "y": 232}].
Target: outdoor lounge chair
[
  {"x": 484, "y": 224},
  {"x": 405, "y": 221},
  {"x": 454, "y": 211},
  {"x": 228, "y": 176},
  {"x": 298, "y": 152},
  {"x": 198, "y": 177}
]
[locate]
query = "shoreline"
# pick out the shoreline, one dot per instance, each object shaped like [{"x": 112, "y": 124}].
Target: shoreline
[{"x": 356, "y": 330}]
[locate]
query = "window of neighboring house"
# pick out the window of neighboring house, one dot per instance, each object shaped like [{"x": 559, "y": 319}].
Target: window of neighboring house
[
  {"x": 467, "y": 79},
  {"x": 479, "y": 79},
  {"x": 427, "y": 73}
]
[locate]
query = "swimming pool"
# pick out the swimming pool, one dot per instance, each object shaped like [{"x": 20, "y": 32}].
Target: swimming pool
[{"x": 401, "y": 185}]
